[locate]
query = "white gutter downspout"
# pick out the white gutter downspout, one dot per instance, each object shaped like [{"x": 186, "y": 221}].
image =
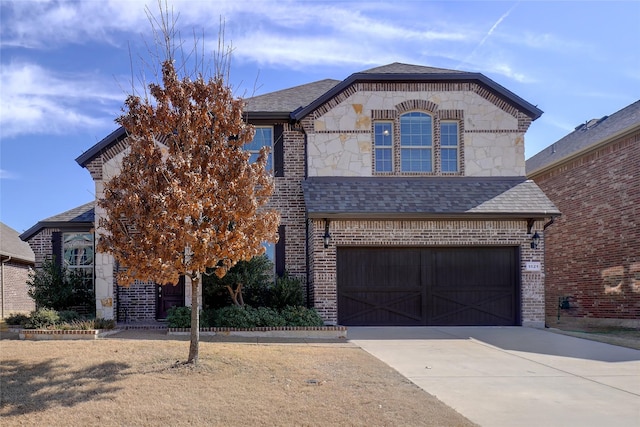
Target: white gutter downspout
[{"x": 2, "y": 284}]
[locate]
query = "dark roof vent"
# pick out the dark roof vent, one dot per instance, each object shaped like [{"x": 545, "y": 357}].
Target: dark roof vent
[{"x": 590, "y": 124}]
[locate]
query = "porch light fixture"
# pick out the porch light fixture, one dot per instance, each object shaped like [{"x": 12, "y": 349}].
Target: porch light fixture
[
  {"x": 327, "y": 237},
  {"x": 535, "y": 240}
]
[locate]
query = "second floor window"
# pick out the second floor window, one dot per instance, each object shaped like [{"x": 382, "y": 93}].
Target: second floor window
[
  {"x": 449, "y": 147},
  {"x": 263, "y": 138},
  {"x": 416, "y": 142},
  {"x": 383, "y": 142}
]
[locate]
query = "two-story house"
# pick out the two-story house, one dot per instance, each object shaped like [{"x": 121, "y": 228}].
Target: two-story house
[{"x": 403, "y": 198}]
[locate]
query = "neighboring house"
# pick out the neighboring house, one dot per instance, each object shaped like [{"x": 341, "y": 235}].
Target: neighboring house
[
  {"x": 16, "y": 261},
  {"x": 593, "y": 250},
  {"x": 403, "y": 198}
]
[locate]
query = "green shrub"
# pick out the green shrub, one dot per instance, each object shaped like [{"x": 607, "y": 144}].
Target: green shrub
[
  {"x": 287, "y": 291},
  {"x": 52, "y": 286},
  {"x": 255, "y": 275},
  {"x": 179, "y": 317},
  {"x": 234, "y": 316},
  {"x": 17, "y": 319},
  {"x": 301, "y": 316},
  {"x": 43, "y": 318},
  {"x": 69, "y": 316},
  {"x": 208, "y": 317},
  {"x": 245, "y": 317},
  {"x": 265, "y": 316}
]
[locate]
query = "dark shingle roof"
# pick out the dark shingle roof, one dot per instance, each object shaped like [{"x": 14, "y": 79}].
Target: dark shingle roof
[
  {"x": 288, "y": 100},
  {"x": 400, "y": 68},
  {"x": 12, "y": 246},
  {"x": 416, "y": 197},
  {"x": 585, "y": 137},
  {"x": 82, "y": 216}
]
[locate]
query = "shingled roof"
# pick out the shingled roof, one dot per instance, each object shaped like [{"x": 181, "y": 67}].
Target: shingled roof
[
  {"x": 288, "y": 100},
  {"x": 12, "y": 246},
  {"x": 420, "y": 197},
  {"x": 586, "y": 137},
  {"x": 82, "y": 216}
]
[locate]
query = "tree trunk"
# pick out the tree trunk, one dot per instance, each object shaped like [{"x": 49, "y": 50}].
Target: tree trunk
[{"x": 195, "y": 320}]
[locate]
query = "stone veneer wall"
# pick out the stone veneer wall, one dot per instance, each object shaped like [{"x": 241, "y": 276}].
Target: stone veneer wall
[
  {"x": 593, "y": 249},
  {"x": 323, "y": 278},
  {"x": 491, "y": 130}
]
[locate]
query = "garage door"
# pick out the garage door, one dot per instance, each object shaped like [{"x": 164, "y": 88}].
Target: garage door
[{"x": 428, "y": 286}]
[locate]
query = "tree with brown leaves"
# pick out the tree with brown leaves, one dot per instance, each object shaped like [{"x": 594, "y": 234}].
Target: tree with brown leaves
[{"x": 186, "y": 198}]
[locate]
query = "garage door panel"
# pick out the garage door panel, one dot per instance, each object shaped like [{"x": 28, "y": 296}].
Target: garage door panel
[
  {"x": 367, "y": 307},
  {"x": 428, "y": 286},
  {"x": 472, "y": 307},
  {"x": 374, "y": 268}
]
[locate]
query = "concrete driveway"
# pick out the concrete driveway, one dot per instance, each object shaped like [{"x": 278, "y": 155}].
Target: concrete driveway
[{"x": 512, "y": 376}]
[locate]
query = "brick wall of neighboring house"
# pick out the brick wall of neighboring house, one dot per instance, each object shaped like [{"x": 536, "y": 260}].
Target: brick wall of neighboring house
[
  {"x": 594, "y": 247},
  {"x": 323, "y": 277},
  {"x": 14, "y": 297}
]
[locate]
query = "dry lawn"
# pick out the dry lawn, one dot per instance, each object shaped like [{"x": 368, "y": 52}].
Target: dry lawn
[{"x": 132, "y": 379}]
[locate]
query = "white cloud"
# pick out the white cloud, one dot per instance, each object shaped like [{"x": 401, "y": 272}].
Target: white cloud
[
  {"x": 5, "y": 174},
  {"x": 36, "y": 100}
]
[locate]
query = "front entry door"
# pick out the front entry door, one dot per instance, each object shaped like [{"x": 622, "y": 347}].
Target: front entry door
[{"x": 169, "y": 296}]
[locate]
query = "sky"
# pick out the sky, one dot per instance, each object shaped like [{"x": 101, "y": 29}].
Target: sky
[{"x": 67, "y": 66}]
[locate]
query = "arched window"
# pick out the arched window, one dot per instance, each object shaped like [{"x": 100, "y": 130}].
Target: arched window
[{"x": 416, "y": 142}]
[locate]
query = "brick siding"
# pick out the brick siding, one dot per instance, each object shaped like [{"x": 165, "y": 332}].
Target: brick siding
[
  {"x": 593, "y": 252},
  {"x": 14, "y": 297}
]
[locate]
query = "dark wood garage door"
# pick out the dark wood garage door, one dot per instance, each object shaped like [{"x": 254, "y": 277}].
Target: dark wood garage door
[{"x": 428, "y": 286}]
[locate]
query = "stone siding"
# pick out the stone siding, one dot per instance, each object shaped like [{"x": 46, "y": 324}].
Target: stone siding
[
  {"x": 593, "y": 255},
  {"x": 491, "y": 131}
]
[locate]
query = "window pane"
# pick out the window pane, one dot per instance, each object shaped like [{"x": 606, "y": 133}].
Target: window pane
[
  {"x": 270, "y": 251},
  {"x": 263, "y": 138},
  {"x": 383, "y": 142},
  {"x": 78, "y": 249},
  {"x": 449, "y": 134},
  {"x": 449, "y": 160},
  {"x": 415, "y": 129},
  {"x": 77, "y": 253},
  {"x": 384, "y": 162},
  {"x": 383, "y": 134},
  {"x": 416, "y": 160}
]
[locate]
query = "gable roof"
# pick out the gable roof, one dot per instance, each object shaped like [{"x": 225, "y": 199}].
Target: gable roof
[
  {"x": 12, "y": 246},
  {"x": 585, "y": 137},
  {"x": 420, "y": 197},
  {"x": 80, "y": 217}
]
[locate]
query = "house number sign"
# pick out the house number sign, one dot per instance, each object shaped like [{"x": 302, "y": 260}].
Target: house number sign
[{"x": 532, "y": 266}]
